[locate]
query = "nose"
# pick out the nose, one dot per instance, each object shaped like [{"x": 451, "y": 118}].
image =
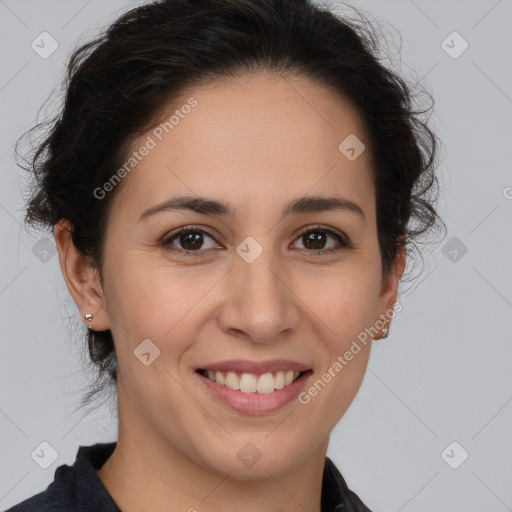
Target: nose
[{"x": 260, "y": 304}]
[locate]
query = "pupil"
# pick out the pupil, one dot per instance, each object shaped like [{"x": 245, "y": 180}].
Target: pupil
[
  {"x": 319, "y": 239},
  {"x": 191, "y": 238}
]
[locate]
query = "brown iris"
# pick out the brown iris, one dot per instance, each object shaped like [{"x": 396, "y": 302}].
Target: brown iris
[
  {"x": 318, "y": 240},
  {"x": 191, "y": 240}
]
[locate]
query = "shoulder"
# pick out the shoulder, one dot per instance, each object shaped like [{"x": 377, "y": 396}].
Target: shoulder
[
  {"x": 57, "y": 496},
  {"x": 77, "y": 487},
  {"x": 48, "y": 500},
  {"x": 336, "y": 496}
]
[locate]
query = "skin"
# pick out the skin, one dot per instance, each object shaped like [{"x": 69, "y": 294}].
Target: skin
[{"x": 257, "y": 142}]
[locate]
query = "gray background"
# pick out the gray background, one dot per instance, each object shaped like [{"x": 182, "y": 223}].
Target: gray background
[{"x": 443, "y": 375}]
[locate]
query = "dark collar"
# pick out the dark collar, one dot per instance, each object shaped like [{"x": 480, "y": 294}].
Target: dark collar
[
  {"x": 78, "y": 487},
  {"x": 336, "y": 496}
]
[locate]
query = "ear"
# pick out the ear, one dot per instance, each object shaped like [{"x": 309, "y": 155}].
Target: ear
[
  {"x": 81, "y": 279},
  {"x": 389, "y": 288}
]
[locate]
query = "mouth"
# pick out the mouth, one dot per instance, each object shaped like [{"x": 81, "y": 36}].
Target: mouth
[
  {"x": 253, "y": 394},
  {"x": 262, "y": 383}
]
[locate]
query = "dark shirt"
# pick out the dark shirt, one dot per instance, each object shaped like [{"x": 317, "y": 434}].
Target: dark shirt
[{"x": 79, "y": 488}]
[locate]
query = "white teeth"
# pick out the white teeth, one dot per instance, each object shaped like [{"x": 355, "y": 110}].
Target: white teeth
[
  {"x": 219, "y": 378},
  {"x": 250, "y": 383},
  {"x": 247, "y": 383},
  {"x": 265, "y": 383},
  {"x": 232, "y": 381},
  {"x": 279, "y": 380}
]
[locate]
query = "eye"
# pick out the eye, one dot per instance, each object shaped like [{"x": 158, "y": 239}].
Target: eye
[
  {"x": 191, "y": 238},
  {"x": 314, "y": 238}
]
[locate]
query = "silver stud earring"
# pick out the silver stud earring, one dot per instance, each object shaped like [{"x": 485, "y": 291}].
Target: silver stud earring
[
  {"x": 385, "y": 332},
  {"x": 88, "y": 318}
]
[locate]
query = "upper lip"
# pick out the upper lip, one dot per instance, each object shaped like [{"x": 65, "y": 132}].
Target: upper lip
[{"x": 255, "y": 367}]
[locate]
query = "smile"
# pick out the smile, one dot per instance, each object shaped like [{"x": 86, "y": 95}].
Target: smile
[
  {"x": 251, "y": 383},
  {"x": 252, "y": 394}
]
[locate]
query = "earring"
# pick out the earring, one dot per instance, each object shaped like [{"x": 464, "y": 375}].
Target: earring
[
  {"x": 385, "y": 332},
  {"x": 88, "y": 317}
]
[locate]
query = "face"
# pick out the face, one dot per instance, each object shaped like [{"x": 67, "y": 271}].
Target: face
[{"x": 249, "y": 284}]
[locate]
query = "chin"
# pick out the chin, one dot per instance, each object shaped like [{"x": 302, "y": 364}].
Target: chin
[{"x": 248, "y": 462}]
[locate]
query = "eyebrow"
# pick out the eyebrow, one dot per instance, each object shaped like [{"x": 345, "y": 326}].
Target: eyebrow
[{"x": 301, "y": 205}]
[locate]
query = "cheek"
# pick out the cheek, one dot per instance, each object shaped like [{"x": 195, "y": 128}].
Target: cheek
[
  {"x": 346, "y": 305},
  {"x": 348, "y": 315},
  {"x": 345, "y": 299},
  {"x": 153, "y": 301}
]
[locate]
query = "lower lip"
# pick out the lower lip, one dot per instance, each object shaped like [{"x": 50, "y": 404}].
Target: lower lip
[{"x": 255, "y": 403}]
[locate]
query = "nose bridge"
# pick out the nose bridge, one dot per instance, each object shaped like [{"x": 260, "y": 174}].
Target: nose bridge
[
  {"x": 260, "y": 302},
  {"x": 260, "y": 277},
  {"x": 261, "y": 285}
]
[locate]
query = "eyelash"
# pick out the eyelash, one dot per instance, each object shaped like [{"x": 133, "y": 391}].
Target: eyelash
[{"x": 342, "y": 239}]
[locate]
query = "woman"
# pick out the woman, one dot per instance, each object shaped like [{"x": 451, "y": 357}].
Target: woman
[{"x": 231, "y": 186}]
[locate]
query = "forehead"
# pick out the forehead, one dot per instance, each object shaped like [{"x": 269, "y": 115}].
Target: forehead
[{"x": 250, "y": 141}]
